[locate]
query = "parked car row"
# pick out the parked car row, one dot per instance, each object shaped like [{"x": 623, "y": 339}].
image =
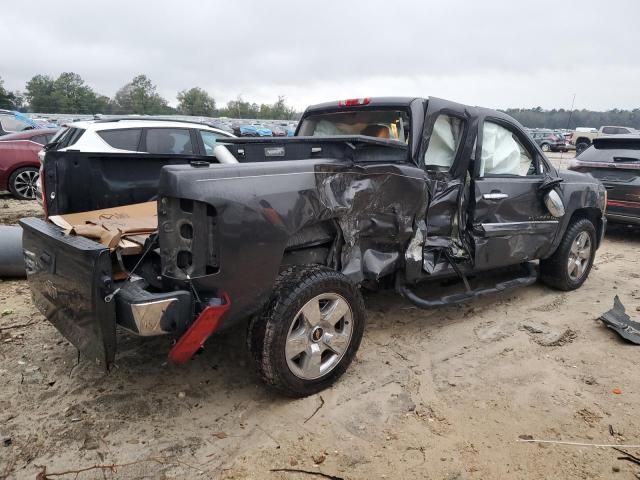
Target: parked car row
[
  {"x": 12, "y": 122},
  {"x": 263, "y": 130},
  {"x": 610, "y": 157}
]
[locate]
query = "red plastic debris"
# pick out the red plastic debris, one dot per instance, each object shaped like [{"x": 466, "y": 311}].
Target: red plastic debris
[
  {"x": 195, "y": 336},
  {"x": 617, "y": 391}
]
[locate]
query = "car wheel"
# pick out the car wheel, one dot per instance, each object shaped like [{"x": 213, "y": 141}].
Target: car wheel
[
  {"x": 569, "y": 266},
  {"x": 22, "y": 183},
  {"x": 581, "y": 147},
  {"x": 309, "y": 331},
  {"x": 545, "y": 147}
]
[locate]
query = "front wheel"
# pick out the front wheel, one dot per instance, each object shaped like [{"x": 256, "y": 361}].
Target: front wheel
[
  {"x": 569, "y": 266},
  {"x": 545, "y": 147},
  {"x": 309, "y": 332}
]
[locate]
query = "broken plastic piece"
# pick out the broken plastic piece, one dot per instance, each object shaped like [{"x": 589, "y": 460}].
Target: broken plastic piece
[
  {"x": 618, "y": 320},
  {"x": 201, "y": 329}
]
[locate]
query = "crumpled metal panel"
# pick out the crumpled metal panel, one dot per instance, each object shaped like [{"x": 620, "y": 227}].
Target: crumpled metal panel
[{"x": 375, "y": 207}]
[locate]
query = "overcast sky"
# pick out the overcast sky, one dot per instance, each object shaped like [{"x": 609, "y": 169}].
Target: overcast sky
[{"x": 483, "y": 52}]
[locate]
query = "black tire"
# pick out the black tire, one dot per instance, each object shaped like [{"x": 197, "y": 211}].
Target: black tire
[
  {"x": 545, "y": 147},
  {"x": 581, "y": 147},
  {"x": 22, "y": 183},
  {"x": 554, "y": 271},
  {"x": 267, "y": 335}
]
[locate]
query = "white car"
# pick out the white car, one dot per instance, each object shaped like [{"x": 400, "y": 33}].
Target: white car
[
  {"x": 134, "y": 135},
  {"x": 139, "y": 135}
]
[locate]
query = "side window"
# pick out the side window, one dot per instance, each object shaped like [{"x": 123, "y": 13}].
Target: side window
[
  {"x": 209, "y": 139},
  {"x": 443, "y": 144},
  {"x": 124, "y": 139},
  {"x": 41, "y": 139},
  {"x": 609, "y": 130},
  {"x": 169, "y": 140},
  {"x": 503, "y": 153},
  {"x": 11, "y": 124}
]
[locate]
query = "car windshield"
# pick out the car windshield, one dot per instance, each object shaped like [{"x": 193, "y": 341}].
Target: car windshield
[{"x": 392, "y": 124}]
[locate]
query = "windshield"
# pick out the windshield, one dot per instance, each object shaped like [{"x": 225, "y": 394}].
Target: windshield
[{"x": 392, "y": 124}]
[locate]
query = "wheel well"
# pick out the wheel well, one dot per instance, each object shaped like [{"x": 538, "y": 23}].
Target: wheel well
[
  {"x": 310, "y": 245},
  {"x": 593, "y": 215},
  {"x": 583, "y": 140},
  {"x": 19, "y": 167}
]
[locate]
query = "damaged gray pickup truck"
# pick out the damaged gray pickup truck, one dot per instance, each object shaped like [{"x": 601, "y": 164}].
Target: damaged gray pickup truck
[{"x": 278, "y": 235}]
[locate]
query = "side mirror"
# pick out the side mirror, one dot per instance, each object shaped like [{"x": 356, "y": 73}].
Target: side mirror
[{"x": 554, "y": 203}]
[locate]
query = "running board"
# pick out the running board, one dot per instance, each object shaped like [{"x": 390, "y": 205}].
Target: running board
[{"x": 528, "y": 279}]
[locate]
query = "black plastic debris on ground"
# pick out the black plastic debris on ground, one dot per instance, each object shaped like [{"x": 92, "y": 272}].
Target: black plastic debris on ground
[{"x": 618, "y": 320}]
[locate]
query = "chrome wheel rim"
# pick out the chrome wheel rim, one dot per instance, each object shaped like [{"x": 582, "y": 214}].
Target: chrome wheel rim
[
  {"x": 319, "y": 336},
  {"x": 579, "y": 256},
  {"x": 25, "y": 183}
]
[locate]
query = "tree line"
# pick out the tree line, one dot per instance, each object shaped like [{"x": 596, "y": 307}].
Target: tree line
[
  {"x": 561, "y": 118},
  {"x": 70, "y": 94}
]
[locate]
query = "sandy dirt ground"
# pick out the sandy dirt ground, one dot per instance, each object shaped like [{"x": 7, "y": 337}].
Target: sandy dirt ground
[{"x": 442, "y": 394}]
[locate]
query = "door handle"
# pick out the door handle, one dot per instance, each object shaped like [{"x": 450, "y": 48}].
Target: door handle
[{"x": 494, "y": 196}]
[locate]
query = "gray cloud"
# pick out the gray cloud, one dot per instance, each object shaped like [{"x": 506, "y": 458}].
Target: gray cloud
[{"x": 493, "y": 53}]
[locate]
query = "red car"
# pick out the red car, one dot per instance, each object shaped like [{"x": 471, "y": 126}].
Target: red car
[{"x": 19, "y": 164}]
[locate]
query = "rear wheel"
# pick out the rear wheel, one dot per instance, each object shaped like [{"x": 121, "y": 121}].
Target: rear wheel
[
  {"x": 309, "y": 332},
  {"x": 569, "y": 266},
  {"x": 581, "y": 147},
  {"x": 22, "y": 183},
  {"x": 545, "y": 147}
]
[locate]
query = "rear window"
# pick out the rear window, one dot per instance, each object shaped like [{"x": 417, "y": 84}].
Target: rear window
[
  {"x": 613, "y": 143},
  {"x": 123, "y": 139},
  {"x": 392, "y": 124},
  {"x": 65, "y": 137}
]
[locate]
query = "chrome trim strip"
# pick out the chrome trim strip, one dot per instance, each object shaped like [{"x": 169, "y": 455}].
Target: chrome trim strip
[{"x": 534, "y": 227}]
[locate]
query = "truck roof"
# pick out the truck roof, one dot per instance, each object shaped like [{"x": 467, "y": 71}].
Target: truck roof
[{"x": 371, "y": 102}]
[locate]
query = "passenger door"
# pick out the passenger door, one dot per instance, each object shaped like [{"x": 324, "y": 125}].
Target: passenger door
[
  {"x": 510, "y": 221},
  {"x": 446, "y": 148}
]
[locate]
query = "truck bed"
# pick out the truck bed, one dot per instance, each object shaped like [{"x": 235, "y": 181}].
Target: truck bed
[{"x": 78, "y": 181}]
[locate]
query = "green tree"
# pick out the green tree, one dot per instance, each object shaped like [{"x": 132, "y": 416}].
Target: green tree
[
  {"x": 196, "y": 101},
  {"x": 39, "y": 94},
  {"x": 281, "y": 111},
  {"x": 240, "y": 108},
  {"x": 72, "y": 95},
  {"x": 140, "y": 97},
  {"x": 9, "y": 100},
  {"x": 66, "y": 94}
]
